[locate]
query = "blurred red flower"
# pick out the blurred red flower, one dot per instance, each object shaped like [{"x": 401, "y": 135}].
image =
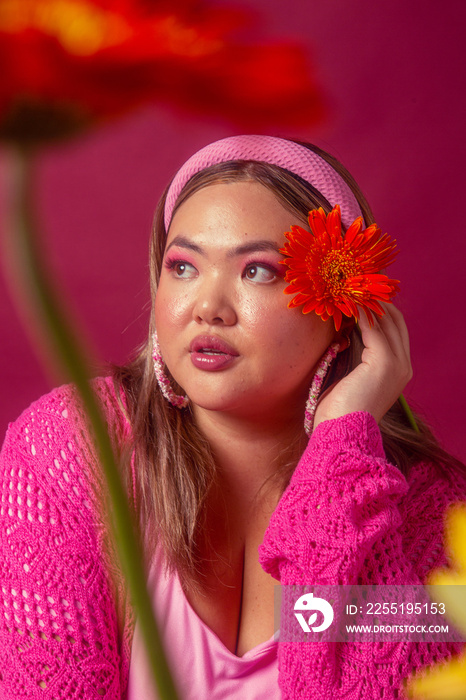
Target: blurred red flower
[
  {"x": 69, "y": 63},
  {"x": 335, "y": 274}
]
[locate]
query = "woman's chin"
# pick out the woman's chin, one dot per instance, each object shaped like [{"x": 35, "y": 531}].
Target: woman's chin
[
  {"x": 233, "y": 402},
  {"x": 255, "y": 401},
  {"x": 259, "y": 413},
  {"x": 218, "y": 403}
]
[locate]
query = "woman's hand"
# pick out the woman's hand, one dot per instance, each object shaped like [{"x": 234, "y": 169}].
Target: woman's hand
[{"x": 376, "y": 383}]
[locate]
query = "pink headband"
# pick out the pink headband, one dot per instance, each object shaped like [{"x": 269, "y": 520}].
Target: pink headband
[{"x": 275, "y": 151}]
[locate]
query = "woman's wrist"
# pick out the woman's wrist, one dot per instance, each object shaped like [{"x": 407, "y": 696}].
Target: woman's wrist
[{"x": 355, "y": 433}]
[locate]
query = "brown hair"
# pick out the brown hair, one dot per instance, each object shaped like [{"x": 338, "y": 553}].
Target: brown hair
[{"x": 174, "y": 466}]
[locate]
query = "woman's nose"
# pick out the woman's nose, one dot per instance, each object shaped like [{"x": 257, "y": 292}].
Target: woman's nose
[{"x": 214, "y": 304}]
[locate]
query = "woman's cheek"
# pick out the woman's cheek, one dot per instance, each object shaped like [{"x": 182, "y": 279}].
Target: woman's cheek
[
  {"x": 252, "y": 311},
  {"x": 171, "y": 309}
]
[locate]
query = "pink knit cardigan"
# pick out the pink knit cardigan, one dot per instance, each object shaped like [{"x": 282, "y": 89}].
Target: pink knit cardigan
[{"x": 65, "y": 621}]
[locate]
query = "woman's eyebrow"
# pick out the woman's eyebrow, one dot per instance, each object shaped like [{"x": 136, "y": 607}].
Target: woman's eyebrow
[
  {"x": 251, "y": 247},
  {"x": 183, "y": 242}
]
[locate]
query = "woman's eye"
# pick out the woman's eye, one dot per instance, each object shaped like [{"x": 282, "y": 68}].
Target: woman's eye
[
  {"x": 182, "y": 269},
  {"x": 260, "y": 273}
]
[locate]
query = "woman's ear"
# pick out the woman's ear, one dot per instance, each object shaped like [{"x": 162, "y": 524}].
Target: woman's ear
[
  {"x": 344, "y": 336},
  {"x": 344, "y": 342}
]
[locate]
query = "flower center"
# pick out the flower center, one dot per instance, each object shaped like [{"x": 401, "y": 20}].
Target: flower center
[{"x": 336, "y": 267}]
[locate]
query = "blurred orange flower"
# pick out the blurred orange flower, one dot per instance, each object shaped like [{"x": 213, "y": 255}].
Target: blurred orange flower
[
  {"x": 334, "y": 274},
  {"x": 69, "y": 63}
]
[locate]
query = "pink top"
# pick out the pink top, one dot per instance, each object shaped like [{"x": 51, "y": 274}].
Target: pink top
[
  {"x": 202, "y": 665},
  {"x": 347, "y": 516}
]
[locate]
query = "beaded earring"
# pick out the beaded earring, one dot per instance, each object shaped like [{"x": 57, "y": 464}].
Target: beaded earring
[
  {"x": 316, "y": 386},
  {"x": 162, "y": 379}
]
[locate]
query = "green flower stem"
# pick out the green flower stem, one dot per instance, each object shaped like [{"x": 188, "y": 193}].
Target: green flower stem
[
  {"x": 409, "y": 413},
  {"x": 66, "y": 349}
]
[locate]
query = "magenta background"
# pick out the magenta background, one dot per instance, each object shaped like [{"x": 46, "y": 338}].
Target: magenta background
[{"x": 395, "y": 77}]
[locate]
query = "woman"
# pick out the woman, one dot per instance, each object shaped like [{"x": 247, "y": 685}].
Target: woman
[{"x": 230, "y": 493}]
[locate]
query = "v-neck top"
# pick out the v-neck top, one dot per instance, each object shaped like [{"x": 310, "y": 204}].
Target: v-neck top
[{"x": 202, "y": 665}]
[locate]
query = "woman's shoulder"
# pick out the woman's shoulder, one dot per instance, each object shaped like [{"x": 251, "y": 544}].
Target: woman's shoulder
[
  {"x": 55, "y": 546},
  {"x": 54, "y": 430},
  {"x": 62, "y": 408},
  {"x": 432, "y": 490},
  {"x": 430, "y": 481}
]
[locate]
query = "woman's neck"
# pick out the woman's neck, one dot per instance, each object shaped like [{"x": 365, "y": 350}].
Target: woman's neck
[{"x": 248, "y": 452}]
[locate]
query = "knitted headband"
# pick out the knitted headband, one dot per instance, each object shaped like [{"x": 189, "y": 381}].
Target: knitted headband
[{"x": 275, "y": 151}]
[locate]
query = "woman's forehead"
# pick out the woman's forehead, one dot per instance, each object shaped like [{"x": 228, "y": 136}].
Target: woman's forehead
[{"x": 244, "y": 208}]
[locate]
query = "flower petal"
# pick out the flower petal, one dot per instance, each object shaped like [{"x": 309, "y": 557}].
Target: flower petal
[
  {"x": 317, "y": 222},
  {"x": 456, "y": 536},
  {"x": 445, "y": 682}
]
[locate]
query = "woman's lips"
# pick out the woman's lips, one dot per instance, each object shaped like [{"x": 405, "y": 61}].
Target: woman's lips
[{"x": 211, "y": 353}]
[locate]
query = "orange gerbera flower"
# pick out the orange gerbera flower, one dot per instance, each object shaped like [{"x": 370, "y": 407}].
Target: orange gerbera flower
[
  {"x": 67, "y": 64},
  {"x": 335, "y": 274}
]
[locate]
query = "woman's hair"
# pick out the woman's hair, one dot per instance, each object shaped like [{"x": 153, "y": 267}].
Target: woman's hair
[{"x": 173, "y": 464}]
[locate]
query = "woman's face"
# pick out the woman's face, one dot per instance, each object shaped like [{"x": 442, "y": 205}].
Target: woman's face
[{"x": 224, "y": 326}]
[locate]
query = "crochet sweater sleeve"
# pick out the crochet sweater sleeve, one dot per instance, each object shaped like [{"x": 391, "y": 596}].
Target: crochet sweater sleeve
[
  {"x": 65, "y": 625},
  {"x": 347, "y": 518}
]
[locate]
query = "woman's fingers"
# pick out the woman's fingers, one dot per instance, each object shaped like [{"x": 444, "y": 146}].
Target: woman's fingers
[
  {"x": 387, "y": 334},
  {"x": 394, "y": 314},
  {"x": 376, "y": 383},
  {"x": 398, "y": 337}
]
